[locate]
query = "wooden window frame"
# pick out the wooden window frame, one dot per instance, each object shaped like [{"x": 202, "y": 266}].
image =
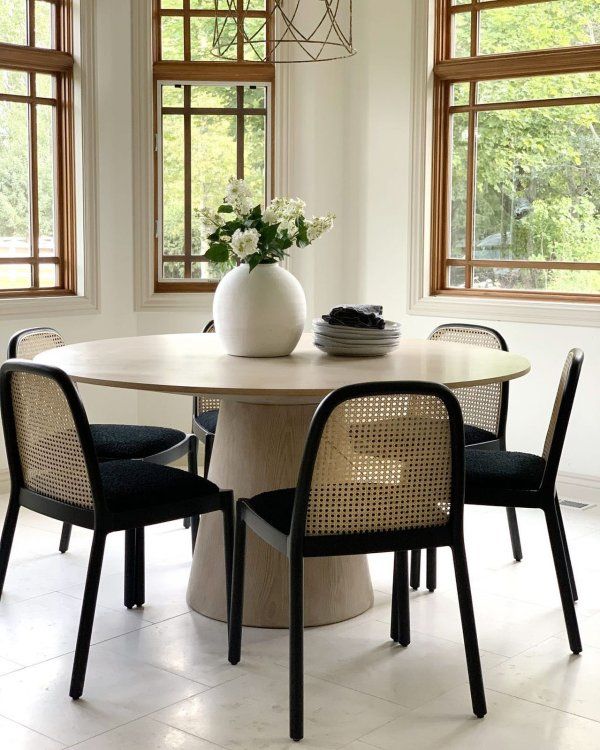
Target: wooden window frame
[
  {"x": 168, "y": 72},
  {"x": 58, "y": 62},
  {"x": 448, "y": 71}
]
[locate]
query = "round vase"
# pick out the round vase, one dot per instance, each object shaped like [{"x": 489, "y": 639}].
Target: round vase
[{"x": 259, "y": 313}]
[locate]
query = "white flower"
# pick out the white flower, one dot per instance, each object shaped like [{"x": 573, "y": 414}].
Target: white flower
[
  {"x": 270, "y": 216},
  {"x": 318, "y": 225},
  {"x": 239, "y": 196},
  {"x": 210, "y": 221},
  {"x": 288, "y": 209},
  {"x": 244, "y": 242},
  {"x": 290, "y": 227}
]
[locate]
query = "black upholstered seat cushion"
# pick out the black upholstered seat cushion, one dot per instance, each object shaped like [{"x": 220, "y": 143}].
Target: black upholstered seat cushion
[
  {"x": 495, "y": 472},
  {"x": 120, "y": 441},
  {"x": 475, "y": 435},
  {"x": 208, "y": 420},
  {"x": 275, "y": 507},
  {"x": 136, "y": 485}
]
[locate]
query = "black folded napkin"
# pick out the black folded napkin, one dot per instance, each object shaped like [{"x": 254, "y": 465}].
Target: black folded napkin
[{"x": 356, "y": 316}]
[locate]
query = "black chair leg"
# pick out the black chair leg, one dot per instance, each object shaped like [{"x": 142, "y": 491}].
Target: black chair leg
[
  {"x": 515, "y": 537},
  {"x": 567, "y": 553},
  {"x": 228, "y": 542},
  {"x": 88, "y": 610},
  {"x": 415, "y": 569},
  {"x": 562, "y": 575},
  {"x": 140, "y": 568},
  {"x": 236, "y": 613},
  {"x": 431, "y": 569},
  {"x": 401, "y": 612},
  {"x": 187, "y": 522},
  {"x": 129, "y": 595},
  {"x": 65, "y": 537},
  {"x": 208, "y": 449},
  {"x": 296, "y": 648},
  {"x": 394, "y": 613},
  {"x": 193, "y": 469},
  {"x": 8, "y": 534},
  {"x": 467, "y": 617},
  {"x": 195, "y": 526}
]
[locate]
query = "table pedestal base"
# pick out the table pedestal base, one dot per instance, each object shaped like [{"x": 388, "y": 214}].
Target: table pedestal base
[{"x": 258, "y": 447}]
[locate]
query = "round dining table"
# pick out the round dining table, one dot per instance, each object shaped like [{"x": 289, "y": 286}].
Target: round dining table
[{"x": 266, "y": 409}]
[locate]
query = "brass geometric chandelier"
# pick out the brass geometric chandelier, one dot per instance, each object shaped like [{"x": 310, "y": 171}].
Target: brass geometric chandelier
[{"x": 290, "y": 31}]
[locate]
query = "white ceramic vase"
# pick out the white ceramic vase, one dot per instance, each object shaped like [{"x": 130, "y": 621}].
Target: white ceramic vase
[{"x": 259, "y": 313}]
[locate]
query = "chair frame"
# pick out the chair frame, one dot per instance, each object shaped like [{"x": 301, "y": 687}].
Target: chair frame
[
  {"x": 101, "y": 520},
  {"x": 491, "y": 445},
  {"x": 134, "y": 543},
  {"x": 297, "y": 545}
]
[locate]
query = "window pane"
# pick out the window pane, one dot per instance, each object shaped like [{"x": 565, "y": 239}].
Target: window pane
[
  {"x": 15, "y": 276},
  {"x": 172, "y": 38},
  {"x": 44, "y": 85},
  {"x": 561, "y": 23},
  {"x": 536, "y": 279},
  {"x": 214, "y": 97},
  {"x": 172, "y": 96},
  {"x": 461, "y": 35},
  {"x": 539, "y": 87},
  {"x": 458, "y": 181},
  {"x": 456, "y": 277},
  {"x": 14, "y": 180},
  {"x": 538, "y": 184},
  {"x": 14, "y": 82},
  {"x": 214, "y": 162},
  {"x": 255, "y": 156},
  {"x": 210, "y": 271},
  {"x": 173, "y": 270},
  {"x": 255, "y": 97},
  {"x": 173, "y": 185},
  {"x": 171, "y": 4},
  {"x": 255, "y": 31},
  {"x": 44, "y": 25},
  {"x": 205, "y": 33},
  {"x": 13, "y": 21},
  {"x": 46, "y": 179},
  {"x": 460, "y": 93},
  {"x": 210, "y": 4},
  {"x": 49, "y": 275}
]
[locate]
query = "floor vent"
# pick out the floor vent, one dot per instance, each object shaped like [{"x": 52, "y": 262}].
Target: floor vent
[{"x": 576, "y": 504}]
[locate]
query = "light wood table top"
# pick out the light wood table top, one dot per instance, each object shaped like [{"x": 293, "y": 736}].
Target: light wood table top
[{"x": 193, "y": 363}]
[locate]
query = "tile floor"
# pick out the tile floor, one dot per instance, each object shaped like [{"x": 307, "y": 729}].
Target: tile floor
[{"x": 159, "y": 678}]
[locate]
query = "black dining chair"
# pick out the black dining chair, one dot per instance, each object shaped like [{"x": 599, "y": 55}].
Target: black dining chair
[
  {"x": 525, "y": 480},
  {"x": 383, "y": 470},
  {"x": 55, "y": 471},
  {"x": 485, "y": 408},
  {"x": 157, "y": 445}
]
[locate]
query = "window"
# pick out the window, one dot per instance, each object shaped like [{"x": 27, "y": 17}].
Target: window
[
  {"x": 37, "y": 217},
  {"x": 516, "y": 176},
  {"x": 213, "y": 121}
]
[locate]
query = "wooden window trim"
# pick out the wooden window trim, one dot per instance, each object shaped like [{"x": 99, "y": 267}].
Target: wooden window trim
[
  {"x": 60, "y": 63},
  {"x": 448, "y": 71},
  {"x": 190, "y": 71}
]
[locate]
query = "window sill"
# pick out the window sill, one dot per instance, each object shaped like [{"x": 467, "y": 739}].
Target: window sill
[
  {"x": 200, "y": 301},
  {"x": 519, "y": 311},
  {"x": 18, "y": 307}
]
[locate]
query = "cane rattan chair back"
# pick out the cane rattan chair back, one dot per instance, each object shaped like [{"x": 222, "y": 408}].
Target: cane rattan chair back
[
  {"x": 561, "y": 413},
  {"x": 206, "y": 403},
  {"x": 383, "y": 460},
  {"x": 37, "y": 412},
  {"x": 483, "y": 406},
  {"x": 33, "y": 341}
]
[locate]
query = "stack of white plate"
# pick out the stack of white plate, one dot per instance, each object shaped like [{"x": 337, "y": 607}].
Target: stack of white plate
[{"x": 344, "y": 341}]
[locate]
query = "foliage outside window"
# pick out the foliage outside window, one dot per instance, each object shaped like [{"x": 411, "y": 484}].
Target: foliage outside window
[
  {"x": 516, "y": 167},
  {"x": 213, "y": 122},
  {"x": 37, "y": 232}
]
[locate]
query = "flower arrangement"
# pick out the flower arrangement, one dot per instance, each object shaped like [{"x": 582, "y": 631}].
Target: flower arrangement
[{"x": 240, "y": 232}]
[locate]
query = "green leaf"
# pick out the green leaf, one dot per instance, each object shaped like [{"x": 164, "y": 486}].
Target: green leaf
[
  {"x": 254, "y": 260},
  {"x": 226, "y": 208},
  {"x": 218, "y": 252}
]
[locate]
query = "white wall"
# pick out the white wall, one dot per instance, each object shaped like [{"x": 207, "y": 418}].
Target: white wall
[{"x": 350, "y": 153}]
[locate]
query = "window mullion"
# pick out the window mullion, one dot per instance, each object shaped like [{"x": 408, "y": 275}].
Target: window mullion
[{"x": 187, "y": 159}]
